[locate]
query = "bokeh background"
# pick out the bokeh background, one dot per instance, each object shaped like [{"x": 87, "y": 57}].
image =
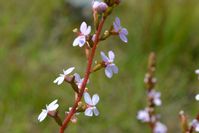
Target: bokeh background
[{"x": 36, "y": 44}]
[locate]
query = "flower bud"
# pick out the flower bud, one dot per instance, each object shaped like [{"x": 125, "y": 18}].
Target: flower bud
[{"x": 99, "y": 7}]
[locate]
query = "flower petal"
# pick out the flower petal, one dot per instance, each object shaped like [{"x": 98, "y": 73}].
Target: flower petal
[
  {"x": 52, "y": 106},
  {"x": 83, "y": 27},
  {"x": 108, "y": 71},
  {"x": 88, "y": 31},
  {"x": 76, "y": 41},
  {"x": 60, "y": 80},
  {"x": 87, "y": 98},
  {"x": 104, "y": 57},
  {"x": 111, "y": 56},
  {"x": 197, "y": 71},
  {"x": 77, "y": 77},
  {"x": 89, "y": 112},
  {"x": 124, "y": 31},
  {"x": 95, "y": 99},
  {"x": 82, "y": 40},
  {"x": 69, "y": 70},
  {"x": 116, "y": 27},
  {"x": 117, "y": 21},
  {"x": 114, "y": 68},
  {"x": 42, "y": 115},
  {"x": 123, "y": 37},
  {"x": 56, "y": 80},
  {"x": 197, "y": 97},
  {"x": 95, "y": 110}
]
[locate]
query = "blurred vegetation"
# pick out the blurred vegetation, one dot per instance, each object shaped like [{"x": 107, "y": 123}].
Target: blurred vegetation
[{"x": 36, "y": 44}]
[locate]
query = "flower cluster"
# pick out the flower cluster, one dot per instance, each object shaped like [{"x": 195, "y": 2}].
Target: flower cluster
[
  {"x": 85, "y": 39},
  {"x": 148, "y": 115}
]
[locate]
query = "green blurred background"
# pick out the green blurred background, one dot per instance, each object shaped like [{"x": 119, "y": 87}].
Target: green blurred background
[{"x": 36, "y": 44}]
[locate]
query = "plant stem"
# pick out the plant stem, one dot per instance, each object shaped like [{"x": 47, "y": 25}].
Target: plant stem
[{"x": 86, "y": 77}]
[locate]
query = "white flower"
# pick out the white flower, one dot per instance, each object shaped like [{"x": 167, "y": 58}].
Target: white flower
[
  {"x": 91, "y": 104},
  {"x": 156, "y": 97},
  {"x": 51, "y": 107},
  {"x": 84, "y": 31},
  {"x": 160, "y": 128},
  {"x": 143, "y": 115},
  {"x": 59, "y": 80},
  {"x": 110, "y": 66},
  {"x": 79, "y": 80}
]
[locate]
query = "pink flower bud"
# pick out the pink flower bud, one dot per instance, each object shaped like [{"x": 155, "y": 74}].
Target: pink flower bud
[{"x": 99, "y": 7}]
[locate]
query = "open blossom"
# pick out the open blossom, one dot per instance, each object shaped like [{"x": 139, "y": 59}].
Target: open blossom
[
  {"x": 143, "y": 115},
  {"x": 79, "y": 80},
  {"x": 156, "y": 97},
  {"x": 84, "y": 31},
  {"x": 51, "y": 107},
  {"x": 195, "y": 124},
  {"x": 160, "y": 128},
  {"x": 100, "y": 7},
  {"x": 123, "y": 32},
  {"x": 91, "y": 103},
  {"x": 59, "y": 80},
  {"x": 110, "y": 66}
]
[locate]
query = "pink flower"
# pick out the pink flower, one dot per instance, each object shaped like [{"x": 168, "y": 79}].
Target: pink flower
[
  {"x": 91, "y": 102},
  {"x": 100, "y": 7},
  {"x": 110, "y": 66},
  {"x": 123, "y": 32},
  {"x": 143, "y": 115},
  {"x": 160, "y": 128},
  {"x": 84, "y": 31}
]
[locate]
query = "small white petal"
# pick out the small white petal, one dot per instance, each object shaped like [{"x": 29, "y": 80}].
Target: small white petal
[
  {"x": 197, "y": 97},
  {"x": 69, "y": 70},
  {"x": 52, "y": 106},
  {"x": 76, "y": 41},
  {"x": 42, "y": 115},
  {"x": 197, "y": 71},
  {"x": 95, "y": 110},
  {"x": 95, "y": 99},
  {"x": 56, "y": 80},
  {"x": 104, "y": 57},
  {"x": 111, "y": 56},
  {"x": 83, "y": 27},
  {"x": 60, "y": 80},
  {"x": 87, "y": 98},
  {"x": 157, "y": 102},
  {"x": 88, "y": 31},
  {"x": 89, "y": 112},
  {"x": 108, "y": 71}
]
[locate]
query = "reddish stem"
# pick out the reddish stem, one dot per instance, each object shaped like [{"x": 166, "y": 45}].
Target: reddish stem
[{"x": 86, "y": 77}]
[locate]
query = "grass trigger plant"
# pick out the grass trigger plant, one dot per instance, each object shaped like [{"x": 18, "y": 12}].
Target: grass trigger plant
[
  {"x": 148, "y": 115},
  {"x": 88, "y": 41}
]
